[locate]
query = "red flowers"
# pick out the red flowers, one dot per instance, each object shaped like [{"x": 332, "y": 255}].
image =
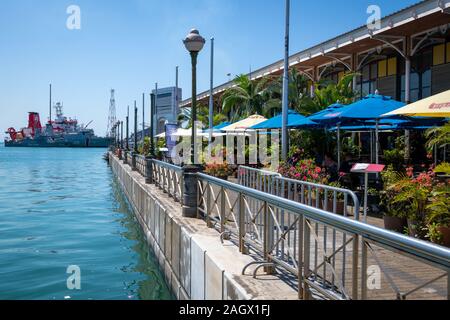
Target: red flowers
[
  {"x": 410, "y": 172},
  {"x": 305, "y": 170}
]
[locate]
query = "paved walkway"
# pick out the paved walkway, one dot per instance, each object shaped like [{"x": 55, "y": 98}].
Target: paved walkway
[{"x": 399, "y": 274}]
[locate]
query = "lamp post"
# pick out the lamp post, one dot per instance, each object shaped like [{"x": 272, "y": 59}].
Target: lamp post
[
  {"x": 152, "y": 120},
  {"x": 118, "y": 133},
  {"x": 194, "y": 43},
  {"x": 135, "y": 128},
  {"x": 285, "y": 101},
  {"x": 143, "y": 118},
  {"x": 121, "y": 135},
  {"x": 128, "y": 129},
  {"x": 211, "y": 98}
]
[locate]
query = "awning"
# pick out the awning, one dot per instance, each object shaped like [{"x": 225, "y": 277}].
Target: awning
[{"x": 437, "y": 106}]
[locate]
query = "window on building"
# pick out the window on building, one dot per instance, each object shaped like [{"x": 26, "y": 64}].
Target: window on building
[
  {"x": 382, "y": 68},
  {"x": 164, "y": 95},
  {"x": 368, "y": 79},
  {"x": 439, "y": 54},
  {"x": 392, "y": 66},
  {"x": 448, "y": 52},
  {"x": 420, "y": 76}
]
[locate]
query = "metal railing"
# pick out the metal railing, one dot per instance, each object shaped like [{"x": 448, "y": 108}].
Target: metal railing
[
  {"x": 257, "y": 179},
  {"x": 141, "y": 165},
  {"x": 169, "y": 178},
  {"x": 127, "y": 157},
  {"x": 331, "y": 256},
  {"x": 332, "y": 199}
]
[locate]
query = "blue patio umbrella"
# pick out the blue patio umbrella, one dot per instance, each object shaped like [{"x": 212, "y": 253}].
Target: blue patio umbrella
[
  {"x": 218, "y": 128},
  {"x": 372, "y": 107},
  {"x": 327, "y": 115},
  {"x": 276, "y": 122}
]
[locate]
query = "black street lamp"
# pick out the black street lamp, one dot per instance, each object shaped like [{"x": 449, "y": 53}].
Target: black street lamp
[
  {"x": 152, "y": 120},
  {"x": 128, "y": 130},
  {"x": 135, "y": 128},
  {"x": 118, "y": 134},
  {"x": 121, "y": 135},
  {"x": 194, "y": 43},
  {"x": 127, "y": 125}
]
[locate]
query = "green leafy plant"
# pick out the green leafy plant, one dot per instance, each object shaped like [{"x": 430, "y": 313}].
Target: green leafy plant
[
  {"x": 439, "y": 206},
  {"x": 339, "y": 195},
  {"x": 444, "y": 167},
  {"x": 161, "y": 143},
  {"x": 439, "y": 137},
  {"x": 390, "y": 178},
  {"x": 144, "y": 148},
  {"x": 246, "y": 98},
  {"x": 396, "y": 156},
  {"x": 350, "y": 147},
  {"x": 434, "y": 234}
]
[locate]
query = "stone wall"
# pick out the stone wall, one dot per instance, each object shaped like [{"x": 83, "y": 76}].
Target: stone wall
[{"x": 196, "y": 264}]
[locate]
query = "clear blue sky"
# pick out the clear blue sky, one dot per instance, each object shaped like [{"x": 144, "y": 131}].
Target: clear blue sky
[{"x": 130, "y": 45}]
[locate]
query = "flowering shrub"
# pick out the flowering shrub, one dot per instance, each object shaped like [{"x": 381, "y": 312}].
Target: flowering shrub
[
  {"x": 219, "y": 170},
  {"x": 413, "y": 192},
  {"x": 305, "y": 170}
]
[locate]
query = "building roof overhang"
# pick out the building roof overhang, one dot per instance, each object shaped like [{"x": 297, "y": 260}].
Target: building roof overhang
[{"x": 409, "y": 22}]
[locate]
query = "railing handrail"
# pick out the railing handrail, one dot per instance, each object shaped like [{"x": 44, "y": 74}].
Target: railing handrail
[
  {"x": 278, "y": 177},
  {"x": 266, "y": 172},
  {"x": 432, "y": 253},
  {"x": 167, "y": 165},
  {"x": 322, "y": 186}
]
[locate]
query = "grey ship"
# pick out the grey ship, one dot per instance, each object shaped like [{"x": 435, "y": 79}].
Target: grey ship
[{"x": 60, "y": 133}]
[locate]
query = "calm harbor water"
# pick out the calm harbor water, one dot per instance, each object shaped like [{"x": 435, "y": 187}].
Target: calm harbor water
[{"x": 63, "y": 207}]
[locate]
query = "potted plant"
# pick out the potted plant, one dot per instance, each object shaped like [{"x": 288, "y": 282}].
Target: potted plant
[
  {"x": 340, "y": 206},
  {"x": 413, "y": 193},
  {"x": 303, "y": 170},
  {"x": 438, "y": 215},
  {"x": 219, "y": 170},
  {"x": 394, "y": 215}
]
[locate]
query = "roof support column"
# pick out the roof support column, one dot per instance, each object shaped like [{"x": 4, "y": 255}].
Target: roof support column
[
  {"x": 313, "y": 84},
  {"x": 407, "y": 55},
  {"x": 354, "y": 70}
]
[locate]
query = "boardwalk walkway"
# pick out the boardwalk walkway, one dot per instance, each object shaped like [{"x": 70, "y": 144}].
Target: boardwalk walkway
[
  {"x": 396, "y": 276},
  {"x": 328, "y": 260}
]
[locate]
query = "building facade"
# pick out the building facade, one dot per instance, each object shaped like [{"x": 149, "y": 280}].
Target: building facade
[
  {"x": 407, "y": 58},
  {"x": 167, "y": 107}
]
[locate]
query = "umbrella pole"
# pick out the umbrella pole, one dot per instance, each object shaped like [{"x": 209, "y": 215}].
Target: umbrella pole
[
  {"x": 377, "y": 142},
  {"x": 339, "y": 146},
  {"x": 371, "y": 145}
]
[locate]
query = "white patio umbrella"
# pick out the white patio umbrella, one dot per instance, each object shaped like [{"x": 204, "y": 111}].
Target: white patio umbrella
[
  {"x": 244, "y": 125},
  {"x": 435, "y": 106}
]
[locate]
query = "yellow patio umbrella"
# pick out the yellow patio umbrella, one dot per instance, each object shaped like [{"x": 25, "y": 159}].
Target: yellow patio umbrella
[
  {"x": 245, "y": 124},
  {"x": 437, "y": 106}
]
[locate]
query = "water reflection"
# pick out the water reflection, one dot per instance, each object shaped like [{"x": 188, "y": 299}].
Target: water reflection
[{"x": 154, "y": 286}]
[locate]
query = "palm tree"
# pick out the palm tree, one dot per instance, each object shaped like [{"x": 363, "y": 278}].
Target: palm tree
[
  {"x": 328, "y": 93},
  {"x": 298, "y": 97},
  {"x": 439, "y": 137},
  {"x": 185, "y": 117},
  {"x": 245, "y": 98}
]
